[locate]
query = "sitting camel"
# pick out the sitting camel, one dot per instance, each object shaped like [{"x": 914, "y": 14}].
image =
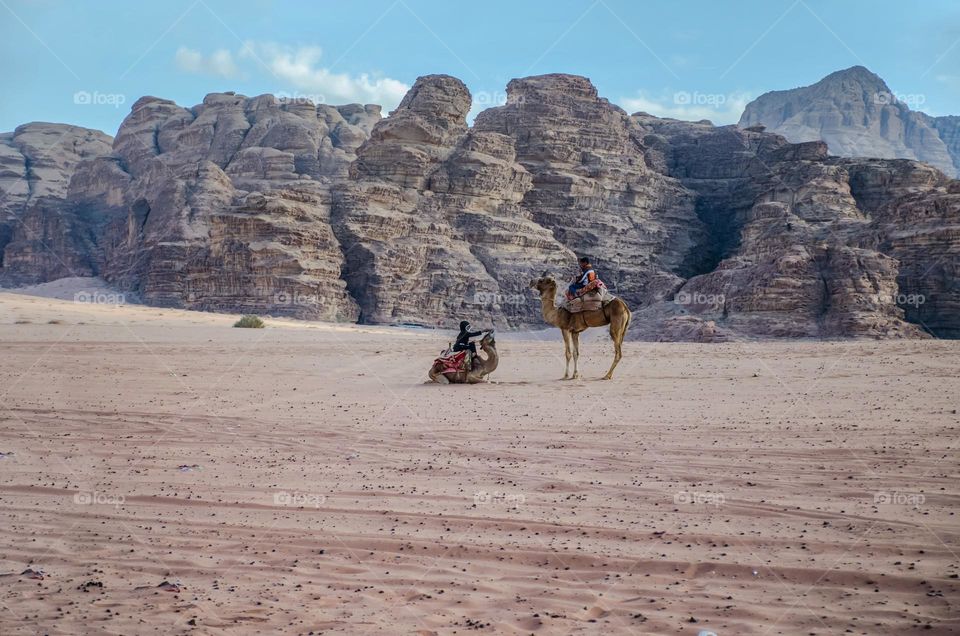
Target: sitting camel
[
  {"x": 482, "y": 367},
  {"x": 615, "y": 313}
]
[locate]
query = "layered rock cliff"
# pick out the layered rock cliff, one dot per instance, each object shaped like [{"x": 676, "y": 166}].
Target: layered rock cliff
[
  {"x": 806, "y": 244},
  {"x": 948, "y": 128},
  {"x": 857, "y": 115},
  {"x": 41, "y": 237},
  {"x": 592, "y": 188},
  {"x": 431, "y": 220},
  {"x": 226, "y": 206},
  {"x": 322, "y": 212}
]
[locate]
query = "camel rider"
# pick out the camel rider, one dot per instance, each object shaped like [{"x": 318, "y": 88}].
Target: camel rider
[
  {"x": 586, "y": 276},
  {"x": 463, "y": 339}
]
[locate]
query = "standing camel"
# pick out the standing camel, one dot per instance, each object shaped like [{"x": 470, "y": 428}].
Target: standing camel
[
  {"x": 616, "y": 314},
  {"x": 481, "y": 367}
]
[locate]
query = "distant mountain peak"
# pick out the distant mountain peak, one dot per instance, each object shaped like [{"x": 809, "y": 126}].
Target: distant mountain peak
[
  {"x": 857, "y": 115},
  {"x": 858, "y": 72}
]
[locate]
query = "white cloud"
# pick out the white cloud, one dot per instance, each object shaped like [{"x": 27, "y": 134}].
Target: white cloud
[
  {"x": 719, "y": 108},
  {"x": 301, "y": 68},
  {"x": 219, "y": 63},
  {"x": 296, "y": 71}
]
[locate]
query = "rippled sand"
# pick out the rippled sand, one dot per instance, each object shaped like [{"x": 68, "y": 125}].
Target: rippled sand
[{"x": 761, "y": 488}]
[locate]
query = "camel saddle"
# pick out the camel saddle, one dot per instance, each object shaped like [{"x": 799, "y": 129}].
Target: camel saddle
[
  {"x": 454, "y": 361},
  {"x": 593, "y": 300}
]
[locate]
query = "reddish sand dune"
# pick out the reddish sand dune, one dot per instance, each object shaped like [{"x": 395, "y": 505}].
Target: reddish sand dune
[{"x": 304, "y": 479}]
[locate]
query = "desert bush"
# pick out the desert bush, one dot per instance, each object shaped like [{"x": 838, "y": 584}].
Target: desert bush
[{"x": 250, "y": 322}]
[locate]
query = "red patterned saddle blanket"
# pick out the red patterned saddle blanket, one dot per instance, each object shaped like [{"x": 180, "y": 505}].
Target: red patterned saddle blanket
[{"x": 453, "y": 361}]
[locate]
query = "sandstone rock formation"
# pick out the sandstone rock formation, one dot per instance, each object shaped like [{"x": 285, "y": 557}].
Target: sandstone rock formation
[
  {"x": 431, "y": 220},
  {"x": 41, "y": 238},
  {"x": 226, "y": 206},
  {"x": 805, "y": 244},
  {"x": 320, "y": 212},
  {"x": 592, "y": 188},
  {"x": 915, "y": 215},
  {"x": 948, "y": 128},
  {"x": 857, "y": 114}
]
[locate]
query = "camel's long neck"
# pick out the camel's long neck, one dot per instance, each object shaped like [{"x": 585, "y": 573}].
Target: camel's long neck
[
  {"x": 548, "y": 307},
  {"x": 490, "y": 364}
]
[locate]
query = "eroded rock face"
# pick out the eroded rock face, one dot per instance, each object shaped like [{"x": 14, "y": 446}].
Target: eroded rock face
[
  {"x": 431, "y": 223},
  {"x": 915, "y": 213},
  {"x": 592, "y": 187},
  {"x": 948, "y": 127},
  {"x": 710, "y": 233},
  {"x": 857, "y": 114},
  {"x": 805, "y": 244},
  {"x": 41, "y": 237},
  {"x": 226, "y": 206}
]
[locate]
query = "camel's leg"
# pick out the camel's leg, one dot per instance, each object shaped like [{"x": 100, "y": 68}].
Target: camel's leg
[
  {"x": 575, "y": 340},
  {"x": 618, "y": 331},
  {"x": 566, "y": 352},
  {"x": 438, "y": 377}
]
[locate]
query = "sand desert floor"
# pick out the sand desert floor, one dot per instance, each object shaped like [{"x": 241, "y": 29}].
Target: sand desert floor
[{"x": 304, "y": 479}]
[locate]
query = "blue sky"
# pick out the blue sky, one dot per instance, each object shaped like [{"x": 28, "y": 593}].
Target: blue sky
[{"x": 87, "y": 62}]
